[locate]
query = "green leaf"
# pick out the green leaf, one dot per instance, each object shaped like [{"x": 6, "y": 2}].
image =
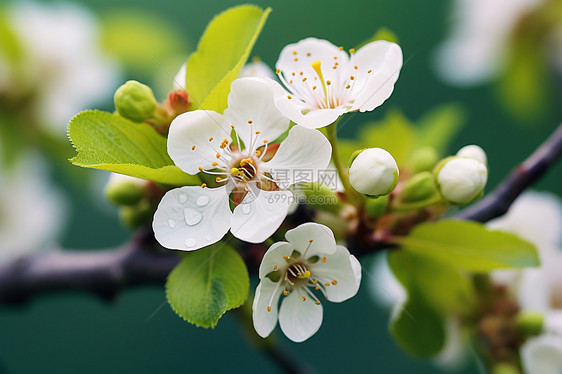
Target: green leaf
[
  {"x": 418, "y": 329},
  {"x": 439, "y": 126},
  {"x": 381, "y": 34},
  {"x": 221, "y": 53},
  {"x": 442, "y": 287},
  {"x": 395, "y": 133},
  {"x": 110, "y": 142},
  {"x": 207, "y": 283},
  {"x": 470, "y": 246}
]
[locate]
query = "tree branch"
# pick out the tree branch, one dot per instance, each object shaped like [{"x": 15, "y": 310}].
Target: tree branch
[{"x": 497, "y": 202}]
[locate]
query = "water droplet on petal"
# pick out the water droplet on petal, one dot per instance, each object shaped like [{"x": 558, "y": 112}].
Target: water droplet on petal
[
  {"x": 203, "y": 200},
  {"x": 246, "y": 209},
  {"x": 190, "y": 242},
  {"x": 192, "y": 217},
  {"x": 183, "y": 198},
  {"x": 171, "y": 223}
]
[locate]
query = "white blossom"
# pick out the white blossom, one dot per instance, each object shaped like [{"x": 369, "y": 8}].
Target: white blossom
[{"x": 307, "y": 265}]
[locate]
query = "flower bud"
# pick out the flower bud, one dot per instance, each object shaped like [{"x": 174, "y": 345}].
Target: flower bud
[
  {"x": 461, "y": 180},
  {"x": 373, "y": 172},
  {"x": 376, "y": 208},
  {"x": 321, "y": 197},
  {"x": 179, "y": 101},
  {"x": 124, "y": 190},
  {"x": 135, "y": 216},
  {"x": 135, "y": 101},
  {"x": 424, "y": 159},
  {"x": 418, "y": 188},
  {"x": 530, "y": 323},
  {"x": 474, "y": 152}
]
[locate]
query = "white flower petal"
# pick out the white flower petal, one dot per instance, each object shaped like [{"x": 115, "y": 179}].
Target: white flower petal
[
  {"x": 300, "y": 157},
  {"x": 301, "y": 114},
  {"x": 542, "y": 355},
  {"x": 342, "y": 267},
  {"x": 180, "y": 78},
  {"x": 299, "y": 319},
  {"x": 274, "y": 258},
  {"x": 259, "y": 215},
  {"x": 256, "y": 69},
  {"x": 323, "y": 238},
  {"x": 251, "y": 100},
  {"x": 191, "y": 217},
  {"x": 384, "y": 60},
  {"x": 267, "y": 294},
  {"x": 195, "y": 129},
  {"x": 553, "y": 322}
]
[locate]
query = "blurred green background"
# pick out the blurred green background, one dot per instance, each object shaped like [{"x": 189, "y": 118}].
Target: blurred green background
[{"x": 138, "y": 332}]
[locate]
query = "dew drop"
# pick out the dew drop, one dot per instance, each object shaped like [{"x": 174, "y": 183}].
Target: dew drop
[
  {"x": 246, "y": 209},
  {"x": 203, "y": 200},
  {"x": 171, "y": 223},
  {"x": 190, "y": 242},
  {"x": 183, "y": 198},
  {"x": 192, "y": 217}
]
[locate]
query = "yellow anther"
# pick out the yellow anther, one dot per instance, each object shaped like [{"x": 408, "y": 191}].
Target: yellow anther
[
  {"x": 314, "y": 281},
  {"x": 274, "y": 267},
  {"x": 355, "y": 67},
  {"x": 265, "y": 142},
  {"x": 352, "y": 77},
  {"x": 294, "y": 52},
  {"x": 334, "y": 67},
  {"x": 286, "y": 293},
  {"x": 218, "y": 155},
  {"x": 328, "y": 83},
  {"x": 293, "y": 73},
  {"x": 334, "y": 282},
  {"x": 211, "y": 138},
  {"x": 313, "y": 87},
  {"x": 327, "y": 284},
  {"x": 193, "y": 148},
  {"x": 296, "y": 59},
  {"x": 311, "y": 240},
  {"x": 286, "y": 257},
  {"x": 306, "y": 274},
  {"x": 335, "y": 57},
  {"x": 308, "y": 54},
  {"x": 347, "y": 87},
  {"x": 234, "y": 172},
  {"x": 323, "y": 259},
  {"x": 291, "y": 81},
  {"x": 317, "y": 288},
  {"x": 215, "y": 163},
  {"x": 258, "y": 152},
  {"x": 257, "y": 132},
  {"x": 218, "y": 179},
  {"x": 278, "y": 71},
  {"x": 317, "y": 303},
  {"x": 268, "y": 308},
  {"x": 341, "y": 48},
  {"x": 200, "y": 168},
  {"x": 352, "y": 50},
  {"x": 250, "y": 121},
  {"x": 368, "y": 71},
  {"x": 204, "y": 185},
  {"x": 303, "y": 298},
  {"x": 301, "y": 73},
  {"x": 304, "y": 79},
  {"x": 232, "y": 126},
  {"x": 289, "y": 97}
]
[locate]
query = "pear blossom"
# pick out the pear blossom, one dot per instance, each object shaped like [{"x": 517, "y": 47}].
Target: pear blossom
[
  {"x": 478, "y": 44},
  {"x": 322, "y": 81},
  {"x": 32, "y": 211},
  {"x": 62, "y": 66},
  {"x": 253, "y": 170},
  {"x": 309, "y": 261}
]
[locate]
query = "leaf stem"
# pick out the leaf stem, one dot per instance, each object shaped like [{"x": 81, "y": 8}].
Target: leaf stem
[{"x": 435, "y": 200}]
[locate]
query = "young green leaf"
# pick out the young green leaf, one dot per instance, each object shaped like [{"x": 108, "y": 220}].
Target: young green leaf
[
  {"x": 221, "y": 53},
  {"x": 110, "y": 142},
  {"x": 207, "y": 283},
  {"x": 470, "y": 246},
  {"x": 418, "y": 328},
  {"x": 439, "y": 126}
]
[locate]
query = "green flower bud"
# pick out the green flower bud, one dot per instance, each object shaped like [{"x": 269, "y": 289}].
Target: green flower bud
[
  {"x": 135, "y": 101},
  {"x": 424, "y": 159},
  {"x": 135, "y": 216},
  {"x": 125, "y": 190},
  {"x": 504, "y": 368},
  {"x": 418, "y": 188},
  {"x": 321, "y": 197},
  {"x": 530, "y": 323},
  {"x": 460, "y": 180},
  {"x": 373, "y": 172}
]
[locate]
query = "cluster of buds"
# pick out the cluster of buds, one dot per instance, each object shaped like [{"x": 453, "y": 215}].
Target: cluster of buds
[{"x": 136, "y": 102}]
